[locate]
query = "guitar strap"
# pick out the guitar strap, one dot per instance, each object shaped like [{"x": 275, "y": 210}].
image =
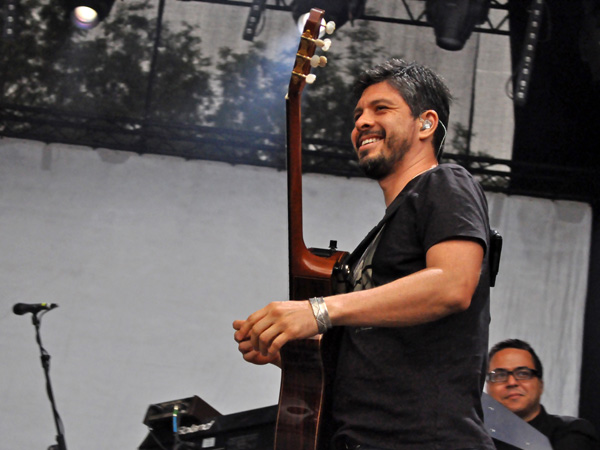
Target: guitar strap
[
  {"x": 359, "y": 251},
  {"x": 495, "y": 249}
]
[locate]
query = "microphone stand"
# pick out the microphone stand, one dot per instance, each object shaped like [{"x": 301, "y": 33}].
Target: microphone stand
[{"x": 45, "y": 357}]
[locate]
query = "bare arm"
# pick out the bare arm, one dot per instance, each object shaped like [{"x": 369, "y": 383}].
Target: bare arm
[{"x": 444, "y": 287}]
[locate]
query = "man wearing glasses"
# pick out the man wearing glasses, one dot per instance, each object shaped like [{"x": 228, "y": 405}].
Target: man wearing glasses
[{"x": 515, "y": 379}]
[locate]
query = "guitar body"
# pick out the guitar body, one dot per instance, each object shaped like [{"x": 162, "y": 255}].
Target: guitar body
[
  {"x": 308, "y": 370},
  {"x": 308, "y": 365}
]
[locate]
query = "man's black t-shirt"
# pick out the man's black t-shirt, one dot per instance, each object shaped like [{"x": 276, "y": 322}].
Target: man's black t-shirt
[{"x": 419, "y": 387}]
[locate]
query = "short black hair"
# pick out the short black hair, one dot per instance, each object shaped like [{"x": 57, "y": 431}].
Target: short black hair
[
  {"x": 520, "y": 345},
  {"x": 420, "y": 87}
]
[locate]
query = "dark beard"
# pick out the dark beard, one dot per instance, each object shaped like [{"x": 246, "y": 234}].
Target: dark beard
[
  {"x": 380, "y": 166},
  {"x": 376, "y": 168}
]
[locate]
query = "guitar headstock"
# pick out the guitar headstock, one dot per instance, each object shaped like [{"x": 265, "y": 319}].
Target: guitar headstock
[{"x": 305, "y": 57}]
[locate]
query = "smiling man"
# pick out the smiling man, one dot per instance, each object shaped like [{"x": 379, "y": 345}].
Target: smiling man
[
  {"x": 515, "y": 379},
  {"x": 414, "y": 322}
]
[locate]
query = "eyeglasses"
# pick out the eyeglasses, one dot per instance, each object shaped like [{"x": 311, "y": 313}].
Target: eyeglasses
[{"x": 520, "y": 373}]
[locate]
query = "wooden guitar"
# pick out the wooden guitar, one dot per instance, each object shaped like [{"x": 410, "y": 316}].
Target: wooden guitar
[{"x": 307, "y": 365}]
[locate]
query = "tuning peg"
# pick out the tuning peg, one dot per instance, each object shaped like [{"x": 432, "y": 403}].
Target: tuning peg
[
  {"x": 330, "y": 27},
  {"x": 310, "y": 78},
  {"x": 318, "y": 61},
  {"x": 323, "y": 44}
]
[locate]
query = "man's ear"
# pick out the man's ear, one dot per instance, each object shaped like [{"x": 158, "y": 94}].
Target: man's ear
[{"x": 429, "y": 123}]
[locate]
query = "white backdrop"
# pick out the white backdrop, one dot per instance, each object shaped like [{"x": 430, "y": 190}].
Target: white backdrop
[{"x": 151, "y": 258}]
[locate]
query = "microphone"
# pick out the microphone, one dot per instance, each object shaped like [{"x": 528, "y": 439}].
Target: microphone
[{"x": 23, "y": 308}]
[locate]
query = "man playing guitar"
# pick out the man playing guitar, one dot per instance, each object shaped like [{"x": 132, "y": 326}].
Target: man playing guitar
[{"x": 412, "y": 358}]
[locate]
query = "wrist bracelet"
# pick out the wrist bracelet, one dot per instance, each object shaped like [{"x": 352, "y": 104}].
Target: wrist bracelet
[{"x": 321, "y": 314}]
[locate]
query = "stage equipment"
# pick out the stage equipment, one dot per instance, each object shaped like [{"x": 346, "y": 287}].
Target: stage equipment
[
  {"x": 9, "y": 15},
  {"x": 505, "y": 426},
  {"x": 87, "y": 14},
  {"x": 192, "y": 408},
  {"x": 23, "y": 308},
  {"x": 254, "y": 16},
  {"x": 454, "y": 20},
  {"x": 38, "y": 310},
  {"x": 529, "y": 45},
  {"x": 201, "y": 428},
  {"x": 338, "y": 11}
]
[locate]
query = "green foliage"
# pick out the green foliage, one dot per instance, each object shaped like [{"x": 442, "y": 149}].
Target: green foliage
[
  {"x": 330, "y": 101},
  {"x": 252, "y": 89},
  {"x": 460, "y": 140},
  {"x": 253, "y": 86},
  {"x": 104, "y": 72}
]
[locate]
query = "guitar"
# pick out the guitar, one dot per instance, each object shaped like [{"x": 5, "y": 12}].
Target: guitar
[{"x": 307, "y": 365}]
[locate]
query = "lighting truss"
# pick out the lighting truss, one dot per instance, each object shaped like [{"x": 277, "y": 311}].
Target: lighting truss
[
  {"x": 413, "y": 13},
  {"x": 254, "y": 16},
  {"x": 233, "y": 146},
  {"x": 9, "y": 19}
]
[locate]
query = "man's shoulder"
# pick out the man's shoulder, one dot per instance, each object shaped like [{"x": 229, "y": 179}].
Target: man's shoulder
[
  {"x": 565, "y": 428},
  {"x": 452, "y": 167},
  {"x": 572, "y": 423},
  {"x": 450, "y": 173},
  {"x": 446, "y": 180}
]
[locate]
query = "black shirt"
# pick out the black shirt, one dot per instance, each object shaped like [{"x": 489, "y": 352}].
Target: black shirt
[
  {"x": 566, "y": 433},
  {"x": 420, "y": 387}
]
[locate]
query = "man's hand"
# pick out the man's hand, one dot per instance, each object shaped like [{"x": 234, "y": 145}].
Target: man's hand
[
  {"x": 263, "y": 333},
  {"x": 254, "y": 357}
]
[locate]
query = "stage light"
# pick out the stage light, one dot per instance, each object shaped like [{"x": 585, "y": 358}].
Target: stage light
[
  {"x": 9, "y": 14},
  {"x": 338, "y": 11},
  {"x": 454, "y": 20},
  {"x": 254, "y": 16},
  {"x": 87, "y": 14},
  {"x": 85, "y": 17}
]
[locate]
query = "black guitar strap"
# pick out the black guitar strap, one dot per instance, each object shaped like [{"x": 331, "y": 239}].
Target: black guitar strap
[
  {"x": 362, "y": 247},
  {"x": 494, "y": 237}
]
